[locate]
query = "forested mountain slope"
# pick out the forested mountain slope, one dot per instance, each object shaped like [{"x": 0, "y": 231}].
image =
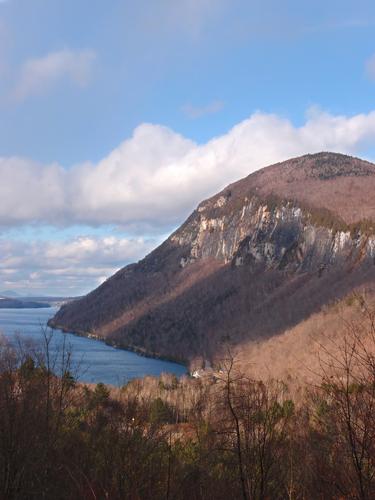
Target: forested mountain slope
[{"x": 249, "y": 263}]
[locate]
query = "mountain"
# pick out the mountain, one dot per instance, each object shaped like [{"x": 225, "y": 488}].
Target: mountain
[
  {"x": 9, "y": 293},
  {"x": 52, "y": 301},
  {"x": 250, "y": 263},
  {"x": 11, "y": 303}
]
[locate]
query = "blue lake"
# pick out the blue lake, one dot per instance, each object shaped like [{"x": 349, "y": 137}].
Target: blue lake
[{"x": 96, "y": 361}]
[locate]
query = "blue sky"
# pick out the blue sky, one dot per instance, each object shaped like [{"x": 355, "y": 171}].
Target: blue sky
[{"x": 117, "y": 117}]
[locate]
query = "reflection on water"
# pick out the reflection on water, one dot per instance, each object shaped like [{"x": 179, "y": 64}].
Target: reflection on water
[{"x": 97, "y": 361}]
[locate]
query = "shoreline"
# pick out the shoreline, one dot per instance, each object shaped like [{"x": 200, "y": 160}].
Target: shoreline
[{"x": 136, "y": 350}]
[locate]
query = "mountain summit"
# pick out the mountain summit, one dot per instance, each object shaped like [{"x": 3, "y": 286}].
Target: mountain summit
[{"x": 252, "y": 261}]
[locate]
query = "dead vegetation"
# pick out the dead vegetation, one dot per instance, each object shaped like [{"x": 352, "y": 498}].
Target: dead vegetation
[
  {"x": 226, "y": 435},
  {"x": 252, "y": 262}
]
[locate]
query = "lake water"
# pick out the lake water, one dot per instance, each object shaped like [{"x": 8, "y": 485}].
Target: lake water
[{"x": 96, "y": 361}]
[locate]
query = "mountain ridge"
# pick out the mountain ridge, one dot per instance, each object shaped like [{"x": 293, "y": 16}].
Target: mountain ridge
[{"x": 251, "y": 261}]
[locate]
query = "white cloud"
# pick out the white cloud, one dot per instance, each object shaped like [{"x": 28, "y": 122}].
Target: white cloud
[
  {"x": 194, "y": 112},
  {"x": 38, "y": 75},
  {"x": 191, "y": 15},
  {"x": 4, "y": 46},
  {"x": 156, "y": 177},
  {"x": 153, "y": 179},
  {"x": 70, "y": 267},
  {"x": 188, "y": 19},
  {"x": 370, "y": 67}
]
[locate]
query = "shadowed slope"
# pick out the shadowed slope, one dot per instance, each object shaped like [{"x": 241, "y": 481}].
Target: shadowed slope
[{"x": 251, "y": 261}]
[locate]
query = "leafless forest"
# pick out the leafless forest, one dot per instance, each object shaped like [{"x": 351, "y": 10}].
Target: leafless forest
[{"x": 218, "y": 437}]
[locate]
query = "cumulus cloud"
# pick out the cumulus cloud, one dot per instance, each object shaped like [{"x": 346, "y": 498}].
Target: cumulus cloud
[
  {"x": 70, "y": 267},
  {"x": 153, "y": 179},
  {"x": 40, "y": 74},
  {"x": 194, "y": 112},
  {"x": 157, "y": 176}
]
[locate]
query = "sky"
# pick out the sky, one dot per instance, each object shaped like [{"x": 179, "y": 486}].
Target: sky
[{"x": 117, "y": 118}]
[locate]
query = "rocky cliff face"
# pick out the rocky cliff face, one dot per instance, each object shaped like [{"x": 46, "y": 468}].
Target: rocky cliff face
[
  {"x": 250, "y": 262},
  {"x": 274, "y": 236}
]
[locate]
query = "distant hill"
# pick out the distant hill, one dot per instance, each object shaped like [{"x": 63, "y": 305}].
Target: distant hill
[
  {"x": 9, "y": 293},
  {"x": 249, "y": 264},
  {"x": 9, "y": 303},
  {"x": 52, "y": 300},
  {"x": 20, "y": 302}
]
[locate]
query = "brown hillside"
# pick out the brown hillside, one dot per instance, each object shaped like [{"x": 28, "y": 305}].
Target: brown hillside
[
  {"x": 250, "y": 263},
  {"x": 339, "y": 183}
]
